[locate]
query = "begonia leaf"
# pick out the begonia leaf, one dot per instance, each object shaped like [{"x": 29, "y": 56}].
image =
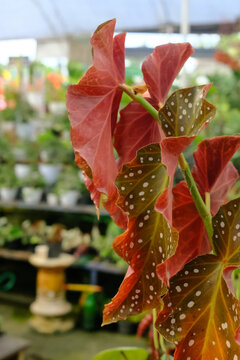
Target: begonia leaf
[
  {"x": 162, "y": 66},
  {"x": 215, "y": 176},
  {"x": 149, "y": 239},
  {"x": 140, "y": 129},
  {"x": 201, "y": 315},
  {"x": 136, "y": 129},
  {"x": 211, "y": 157},
  {"x": 108, "y": 51},
  {"x": 93, "y": 105},
  {"x": 186, "y": 111},
  {"x": 184, "y": 114}
]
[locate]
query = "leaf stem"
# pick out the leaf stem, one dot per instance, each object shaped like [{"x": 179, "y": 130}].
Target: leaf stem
[
  {"x": 208, "y": 201},
  {"x": 198, "y": 201},
  {"x": 141, "y": 100},
  {"x": 155, "y": 332},
  {"x": 203, "y": 209},
  {"x": 208, "y": 206}
]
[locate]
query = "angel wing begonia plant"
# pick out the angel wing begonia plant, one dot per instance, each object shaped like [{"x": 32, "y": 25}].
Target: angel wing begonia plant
[{"x": 181, "y": 242}]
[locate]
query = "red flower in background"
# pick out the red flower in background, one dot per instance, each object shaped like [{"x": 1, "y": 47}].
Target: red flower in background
[{"x": 56, "y": 79}]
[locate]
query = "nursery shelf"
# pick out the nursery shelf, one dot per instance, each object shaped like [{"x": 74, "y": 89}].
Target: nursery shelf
[
  {"x": 20, "y": 255},
  {"x": 81, "y": 208},
  {"x": 98, "y": 266},
  {"x": 101, "y": 266}
]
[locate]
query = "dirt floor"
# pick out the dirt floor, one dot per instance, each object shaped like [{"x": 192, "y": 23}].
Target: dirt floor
[{"x": 74, "y": 345}]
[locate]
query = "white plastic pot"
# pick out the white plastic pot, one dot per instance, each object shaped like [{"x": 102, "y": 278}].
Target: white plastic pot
[
  {"x": 8, "y": 126},
  {"x": 50, "y": 172},
  {"x": 22, "y": 170},
  {"x": 25, "y": 131},
  {"x": 32, "y": 195},
  {"x": 52, "y": 199},
  {"x": 69, "y": 198},
  {"x": 8, "y": 194},
  {"x": 57, "y": 107}
]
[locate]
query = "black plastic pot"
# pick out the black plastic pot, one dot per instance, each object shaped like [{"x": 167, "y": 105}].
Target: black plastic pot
[{"x": 54, "y": 250}]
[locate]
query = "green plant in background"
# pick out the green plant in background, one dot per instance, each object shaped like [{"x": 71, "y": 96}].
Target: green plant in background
[
  {"x": 69, "y": 180},
  {"x": 9, "y": 232},
  {"x": 58, "y": 123},
  {"x": 27, "y": 150},
  {"x": 6, "y": 152},
  {"x": 103, "y": 243},
  {"x": 18, "y": 109},
  {"x": 8, "y": 178},
  {"x": 33, "y": 180},
  {"x": 54, "y": 149},
  {"x": 75, "y": 71}
]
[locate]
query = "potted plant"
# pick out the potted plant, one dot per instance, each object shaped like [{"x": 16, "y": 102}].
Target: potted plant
[
  {"x": 53, "y": 153},
  {"x": 68, "y": 187},
  {"x": 55, "y": 93},
  {"x": 10, "y": 235},
  {"x": 54, "y": 237},
  {"x": 18, "y": 110},
  {"x": 8, "y": 183},
  {"x": 26, "y": 155},
  {"x": 6, "y": 153},
  {"x": 33, "y": 233},
  {"x": 181, "y": 242},
  {"x": 32, "y": 187}
]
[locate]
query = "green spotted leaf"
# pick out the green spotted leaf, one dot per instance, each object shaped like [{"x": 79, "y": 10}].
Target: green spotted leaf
[
  {"x": 201, "y": 315},
  {"x": 148, "y": 241},
  {"x": 186, "y": 111}
]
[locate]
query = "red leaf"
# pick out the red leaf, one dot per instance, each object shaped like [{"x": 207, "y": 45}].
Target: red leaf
[
  {"x": 171, "y": 149},
  {"x": 211, "y": 158},
  {"x": 144, "y": 324},
  {"x": 93, "y": 104},
  {"x": 149, "y": 239},
  {"x": 215, "y": 176},
  {"x": 162, "y": 66},
  {"x": 200, "y": 315},
  {"x": 108, "y": 51},
  {"x": 110, "y": 203},
  {"x": 136, "y": 129}
]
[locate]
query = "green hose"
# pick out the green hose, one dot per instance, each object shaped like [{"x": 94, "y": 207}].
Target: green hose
[{"x": 7, "y": 281}]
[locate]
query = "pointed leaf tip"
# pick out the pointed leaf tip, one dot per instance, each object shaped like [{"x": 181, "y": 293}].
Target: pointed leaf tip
[{"x": 162, "y": 66}]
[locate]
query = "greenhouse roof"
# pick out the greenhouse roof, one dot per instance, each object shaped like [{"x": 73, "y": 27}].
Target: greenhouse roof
[{"x": 61, "y": 18}]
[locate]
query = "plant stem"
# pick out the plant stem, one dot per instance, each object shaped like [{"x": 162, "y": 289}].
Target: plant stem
[
  {"x": 155, "y": 333},
  {"x": 208, "y": 206},
  {"x": 162, "y": 344},
  {"x": 203, "y": 209},
  {"x": 208, "y": 201},
  {"x": 141, "y": 100},
  {"x": 198, "y": 201}
]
